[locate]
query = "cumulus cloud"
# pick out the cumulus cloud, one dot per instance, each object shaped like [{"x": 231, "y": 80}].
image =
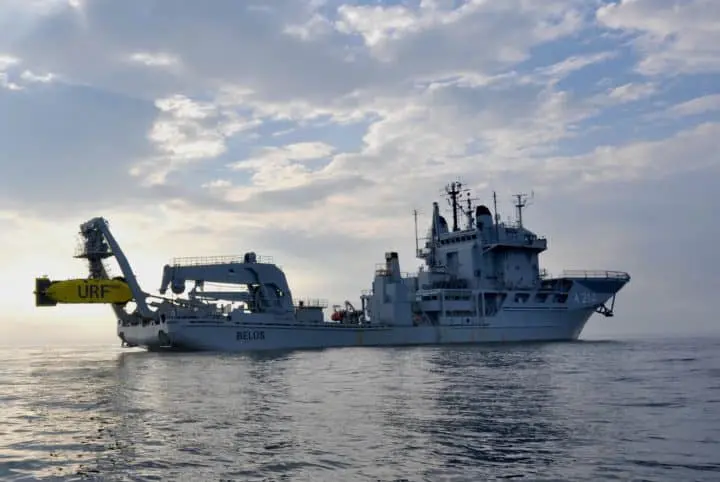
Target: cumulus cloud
[
  {"x": 574, "y": 63},
  {"x": 699, "y": 105},
  {"x": 313, "y": 129},
  {"x": 689, "y": 150},
  {"x": 672, "y": 36},
  {"x": 631, "y": 92},
  {"x": 6, "y": 62},
  {"x": 65, "y": 145},
  {"x": 187, "y": 131},
  {"x": 33, "y": 77},
  {"x": 154, "y": 59}
]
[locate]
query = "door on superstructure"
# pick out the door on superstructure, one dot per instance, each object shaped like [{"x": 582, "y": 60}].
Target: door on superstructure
[
  {"x": 492, "y": 302},
  {"x": 452, "y": 262}
]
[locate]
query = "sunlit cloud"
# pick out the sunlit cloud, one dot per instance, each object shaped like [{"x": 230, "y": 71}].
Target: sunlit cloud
[{"x": 311, "y": 130}]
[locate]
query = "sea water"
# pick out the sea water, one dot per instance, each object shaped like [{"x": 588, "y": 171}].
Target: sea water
[{"x": 593, "y": 410}]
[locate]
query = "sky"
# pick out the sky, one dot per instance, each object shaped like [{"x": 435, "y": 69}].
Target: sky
[{"x": 309, "y": 131}]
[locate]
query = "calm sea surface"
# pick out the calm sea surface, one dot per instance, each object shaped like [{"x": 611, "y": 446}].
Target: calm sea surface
[{"x": 605, "y": 410}]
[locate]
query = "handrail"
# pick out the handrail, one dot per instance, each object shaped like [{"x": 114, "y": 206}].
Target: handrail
[
  {"x": 390, "y": 272},
  {"x": 602, "y": 274},
  {"x": 209, "y": 260},
  {"x": 311, "y": 303}
]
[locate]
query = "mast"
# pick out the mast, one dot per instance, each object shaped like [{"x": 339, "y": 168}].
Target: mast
[
  {"x": 520, "y": 203},
  {"x": 417, "y": 247},
  {"x": 454, "y": 190},
  {"x": 98, "y": 243},
  {"x": 497, "y": 216}
]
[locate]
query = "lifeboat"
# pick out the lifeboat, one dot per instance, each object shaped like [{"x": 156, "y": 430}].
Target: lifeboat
[{"x": 81, "y": 291}]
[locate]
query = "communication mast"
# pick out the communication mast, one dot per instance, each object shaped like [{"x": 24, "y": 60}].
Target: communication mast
[
  {"x": 521, "y": 201},
  {"x": 417, "y": 246},
  {"x": 454, "y": 190}
]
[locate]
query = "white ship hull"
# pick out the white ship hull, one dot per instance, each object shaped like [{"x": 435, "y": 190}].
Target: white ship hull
[{"x": 224, "y": 336}]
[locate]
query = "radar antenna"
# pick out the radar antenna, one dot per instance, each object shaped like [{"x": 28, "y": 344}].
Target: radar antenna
[
  {"x": 469, "y": 210},
  {"x": 522, "y": 201},
  {"x": 453, "y": 190}
]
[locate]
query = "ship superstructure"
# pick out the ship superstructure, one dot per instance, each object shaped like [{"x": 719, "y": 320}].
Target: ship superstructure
[
  {"x": 480, "y": 282},
  {"x": 473, "y": 273}
]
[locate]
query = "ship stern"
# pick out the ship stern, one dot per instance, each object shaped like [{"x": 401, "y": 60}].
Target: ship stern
[{"x": 152, "y": 335}]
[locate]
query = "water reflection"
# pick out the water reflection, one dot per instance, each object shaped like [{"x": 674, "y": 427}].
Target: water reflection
[
  {"x": 197, "y": 410},
  {"x": 461, "y": 413},
  {"x": 57, "y": 405},
  {"x": 471, "y": 412},
  {"x": 497, "y": 412},
  {"x": 464, "y": 412}
]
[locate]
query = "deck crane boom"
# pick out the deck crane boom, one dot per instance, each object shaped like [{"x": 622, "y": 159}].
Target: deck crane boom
[{"x": 98, "y": 244}]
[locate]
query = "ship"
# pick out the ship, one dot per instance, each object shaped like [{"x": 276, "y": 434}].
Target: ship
[{"x": 480, "y": 282}]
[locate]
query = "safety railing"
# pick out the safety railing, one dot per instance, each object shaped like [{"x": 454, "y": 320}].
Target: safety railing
[
  {"x": 311, "y": 303},
  {"x": 210, "y": 260},
  {"x": 381, "y": 270},
  {"x": 601, "y": 274}
]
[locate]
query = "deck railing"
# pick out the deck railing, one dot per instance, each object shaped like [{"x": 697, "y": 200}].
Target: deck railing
[
  {"x": 382, "y": 270},
  {"x": 597, "y": 274},
  {"x": 208, "y": 260},
  {"x": 311, "y": 303}
]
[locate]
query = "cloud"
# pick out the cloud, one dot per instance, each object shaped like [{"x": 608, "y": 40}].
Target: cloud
[
  {"x": 689, "y": 150},
  {"x": 297, "y": 175},
  {"x": 674, "y": 37},
  {"x": 32, "y": 77},
  {"x": 398, "y": 32},
  {"x": 12, "y": 78},
  {"x": 631, "y": 92},
  {"x": 574, "y": 63},
  {"x": 302, "y": 151},
  {"x": 313, "y": 129},
  {"x": 699, "y": 105},
  {"x": 187, "y": 131},
  {"x": 283, "y": 167},
  {"x": 219, "y": 42},
  {"x": 180, "y": 142},
  {"x": 154, "y": 59},
  {"x": 62, "y": 144},
  {"x": 6, "y": 62}
]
